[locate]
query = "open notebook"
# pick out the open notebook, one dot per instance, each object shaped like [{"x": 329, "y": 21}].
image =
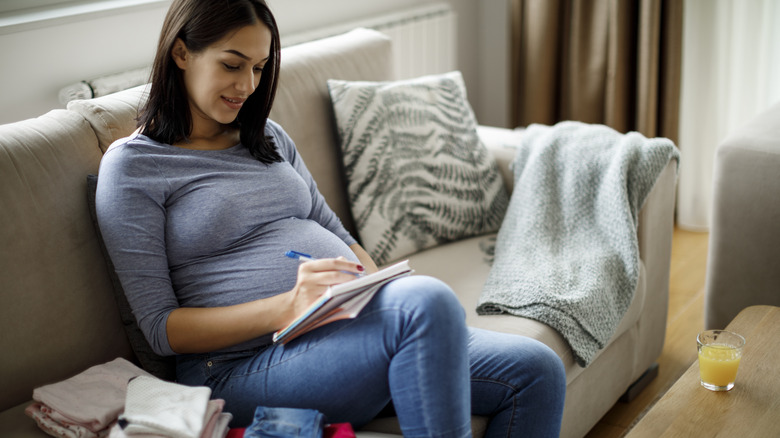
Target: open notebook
[{"x": 342, "y": 301}]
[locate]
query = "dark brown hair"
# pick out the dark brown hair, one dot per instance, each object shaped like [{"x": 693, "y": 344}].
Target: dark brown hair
[{"x": 200, "y": 23}]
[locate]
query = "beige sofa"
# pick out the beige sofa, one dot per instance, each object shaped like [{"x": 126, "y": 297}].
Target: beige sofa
[{"x": 57, "y": 312}]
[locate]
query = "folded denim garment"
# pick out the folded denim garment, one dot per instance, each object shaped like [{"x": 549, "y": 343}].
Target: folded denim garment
[
  {"x": 336, "y": 430},
  {"x": 285, "y": 422}
]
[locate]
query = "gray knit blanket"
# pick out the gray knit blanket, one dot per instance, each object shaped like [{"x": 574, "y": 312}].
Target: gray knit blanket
[{"x": 567, "y": 252}]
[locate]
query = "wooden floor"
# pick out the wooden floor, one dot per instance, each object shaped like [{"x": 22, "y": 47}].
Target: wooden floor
[{"x": 685, "y": 320}]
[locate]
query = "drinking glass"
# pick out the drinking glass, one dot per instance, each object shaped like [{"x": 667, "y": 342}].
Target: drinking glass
[{"x": 719, "y": 354}]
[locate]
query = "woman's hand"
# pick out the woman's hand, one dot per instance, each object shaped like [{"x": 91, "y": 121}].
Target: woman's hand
[{"x": 314, "y": 278}]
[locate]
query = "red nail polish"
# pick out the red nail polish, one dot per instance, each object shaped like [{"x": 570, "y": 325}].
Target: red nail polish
[{"x": 361, "y": 268}]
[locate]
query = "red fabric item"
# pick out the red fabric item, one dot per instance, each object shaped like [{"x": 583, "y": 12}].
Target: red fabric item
[
  {"x": 236, "y": 433},
  {"x": 338, "y": 430}
]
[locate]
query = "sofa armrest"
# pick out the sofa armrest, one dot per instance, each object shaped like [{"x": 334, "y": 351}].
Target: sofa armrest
[
  {"x": 654, "y": 231},
  {"x": 744, "y": 248},
  {"x": 502, "y": 144}
]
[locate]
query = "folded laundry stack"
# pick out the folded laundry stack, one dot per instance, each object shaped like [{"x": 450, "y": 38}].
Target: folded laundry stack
[
  {"x": 119, "y": 399},
  {"x": 85, "y": 405},
  {"x": 158, "y": 408}
]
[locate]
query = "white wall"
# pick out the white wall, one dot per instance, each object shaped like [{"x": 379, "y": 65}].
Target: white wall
[{"x": 37, "y": 63}]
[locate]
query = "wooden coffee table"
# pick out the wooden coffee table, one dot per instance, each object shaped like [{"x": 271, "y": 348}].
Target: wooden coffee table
[{"x": 752, "y": 408}]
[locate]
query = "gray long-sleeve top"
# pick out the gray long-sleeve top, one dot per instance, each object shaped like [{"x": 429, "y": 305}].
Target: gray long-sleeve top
[{"x": 194, "y": 228}]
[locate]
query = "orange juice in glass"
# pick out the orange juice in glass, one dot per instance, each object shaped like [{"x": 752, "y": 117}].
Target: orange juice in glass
[{"x": 719, "y": 355}]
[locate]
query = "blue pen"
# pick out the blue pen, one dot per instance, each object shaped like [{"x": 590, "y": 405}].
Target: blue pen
[
  {"x": 299, "y": 255},
  {"x": 307, "y": 258}
]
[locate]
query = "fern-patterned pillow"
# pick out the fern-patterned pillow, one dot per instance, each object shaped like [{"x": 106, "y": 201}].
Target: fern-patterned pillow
[{"x": 417, "y": 173}]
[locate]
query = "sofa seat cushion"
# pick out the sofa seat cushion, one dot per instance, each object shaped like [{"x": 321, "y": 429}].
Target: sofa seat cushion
[
  {"x": 390, "y": 425},
  {"x": 464, "y": 265}
]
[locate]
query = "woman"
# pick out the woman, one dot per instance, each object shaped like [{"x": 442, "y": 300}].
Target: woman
[{"x": 197, "y": 211}]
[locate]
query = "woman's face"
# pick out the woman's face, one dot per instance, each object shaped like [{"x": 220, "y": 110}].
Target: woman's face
[{"x": 220, "y": 78}]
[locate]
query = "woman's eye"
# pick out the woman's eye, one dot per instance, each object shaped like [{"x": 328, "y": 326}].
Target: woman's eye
[
  {"x": 258, "y": 69},
  {"x": 230, "y": 67}
]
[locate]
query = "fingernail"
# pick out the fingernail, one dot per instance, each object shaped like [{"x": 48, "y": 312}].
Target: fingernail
[{"x": 361, "y": 268}]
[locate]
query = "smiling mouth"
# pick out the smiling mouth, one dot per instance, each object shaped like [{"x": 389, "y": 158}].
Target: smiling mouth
[{"x": 234, "y": 103}]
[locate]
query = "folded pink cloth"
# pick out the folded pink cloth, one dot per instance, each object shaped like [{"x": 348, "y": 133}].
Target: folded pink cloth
[
  {"x": 221, "y": 427},
  {"x": 216, "y": 421},
  {"x": 87, "y": 402},
  {"x": 42, "y": 416}
]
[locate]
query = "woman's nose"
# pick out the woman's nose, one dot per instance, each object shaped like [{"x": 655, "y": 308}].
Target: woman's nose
[{"x": 248, "y": 82}]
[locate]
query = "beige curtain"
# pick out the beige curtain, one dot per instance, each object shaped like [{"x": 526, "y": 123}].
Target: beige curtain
[{"x": 615, "y": 62}]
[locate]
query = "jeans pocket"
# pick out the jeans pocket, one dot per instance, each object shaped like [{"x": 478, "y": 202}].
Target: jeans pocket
[{"x": 217, "y": 366}]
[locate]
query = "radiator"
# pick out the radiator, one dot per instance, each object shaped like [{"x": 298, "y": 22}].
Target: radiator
[
  {"x": 424, "y": 42},
  {"x": 424, "y": 38}
]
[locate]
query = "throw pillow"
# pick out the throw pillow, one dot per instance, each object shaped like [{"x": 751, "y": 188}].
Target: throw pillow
[
  {"x": 417, "y": 173},
  {"x": 159, "y": 366}
]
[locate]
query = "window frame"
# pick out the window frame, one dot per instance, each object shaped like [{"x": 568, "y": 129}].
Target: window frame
[{"x": 21, "y": 15}]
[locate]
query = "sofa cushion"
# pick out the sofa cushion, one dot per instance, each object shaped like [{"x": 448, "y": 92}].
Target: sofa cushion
[
  {"x": 417, "y": 173},
  {"x": 56, "y": 317},
  {"x": 163, "y": 367},
  {"x": 113, "y": 116}
]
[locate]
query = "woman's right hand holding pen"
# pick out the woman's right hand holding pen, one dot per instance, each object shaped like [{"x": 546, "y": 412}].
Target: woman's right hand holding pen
[{"x": 316, "y": 275}]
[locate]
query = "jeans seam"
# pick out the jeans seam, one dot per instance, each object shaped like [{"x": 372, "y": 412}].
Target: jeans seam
[
  {"x": 492, "y": 380},
  {"x": 514, "y": 398},
  {"x": 510, "y": 426}
]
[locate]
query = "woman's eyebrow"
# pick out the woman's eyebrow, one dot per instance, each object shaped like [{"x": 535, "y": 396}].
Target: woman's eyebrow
[{"x": 241, "y": 55}]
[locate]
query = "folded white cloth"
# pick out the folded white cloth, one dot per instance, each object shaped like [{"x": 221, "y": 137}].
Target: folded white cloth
[
  {"x": 157, "y": 407},
  {"x": 220, "y": 428},
  {"x": 87, "y": 404}
]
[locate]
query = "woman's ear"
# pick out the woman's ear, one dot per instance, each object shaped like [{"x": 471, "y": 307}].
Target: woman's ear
[{"x": 180, "y": 54}]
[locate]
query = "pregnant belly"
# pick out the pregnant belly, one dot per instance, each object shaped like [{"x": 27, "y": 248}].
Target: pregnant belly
[{"x": 256, "y": 267}]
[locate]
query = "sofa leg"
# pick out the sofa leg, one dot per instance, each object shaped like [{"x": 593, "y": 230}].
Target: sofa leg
[{"x": 635, "y": 388}]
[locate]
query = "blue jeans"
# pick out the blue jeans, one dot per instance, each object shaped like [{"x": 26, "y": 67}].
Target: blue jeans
[{"x": 410, "y": 344}]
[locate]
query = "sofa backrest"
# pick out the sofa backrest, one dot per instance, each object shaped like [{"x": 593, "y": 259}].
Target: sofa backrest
[
  {"x": 302, "y": 104},
  {"x": 57, "y": 313}
]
